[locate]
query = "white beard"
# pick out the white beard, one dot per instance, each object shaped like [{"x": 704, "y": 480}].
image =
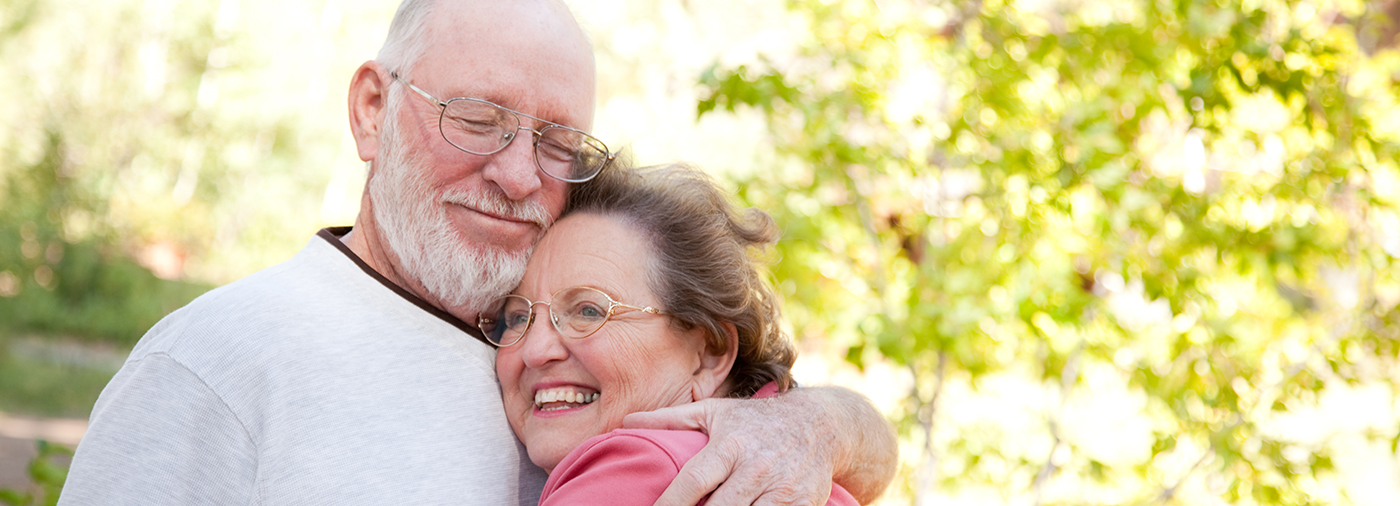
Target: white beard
[{"x": 414, "y": 223}]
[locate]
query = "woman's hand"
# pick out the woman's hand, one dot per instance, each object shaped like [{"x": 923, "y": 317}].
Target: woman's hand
[{"x": 782, "y": 450}]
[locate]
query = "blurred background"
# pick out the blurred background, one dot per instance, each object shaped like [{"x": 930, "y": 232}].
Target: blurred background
[{"x": 1078, "y": 251}]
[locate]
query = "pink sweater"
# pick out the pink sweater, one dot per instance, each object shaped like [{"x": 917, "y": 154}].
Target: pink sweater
[{"x": 631, "y": 466}]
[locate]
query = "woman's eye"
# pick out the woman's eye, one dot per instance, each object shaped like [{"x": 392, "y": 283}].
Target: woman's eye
[
  {"x": 517, "y": 319},
  {"x": 591, "y": 312}
]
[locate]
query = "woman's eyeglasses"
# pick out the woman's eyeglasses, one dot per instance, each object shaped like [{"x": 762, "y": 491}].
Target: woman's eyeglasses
[{"x": 575, "y": 312}]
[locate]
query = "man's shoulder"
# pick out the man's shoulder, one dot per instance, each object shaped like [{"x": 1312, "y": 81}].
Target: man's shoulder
[{"x": 282, "y": 295}]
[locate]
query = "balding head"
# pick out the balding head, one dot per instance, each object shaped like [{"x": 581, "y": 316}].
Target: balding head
[{"x": 418, "y": 24}]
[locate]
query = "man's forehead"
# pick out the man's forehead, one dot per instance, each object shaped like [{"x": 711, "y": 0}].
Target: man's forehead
[
  {"x": 474, "y": 24},
  {"x": 528, "y": 55}
]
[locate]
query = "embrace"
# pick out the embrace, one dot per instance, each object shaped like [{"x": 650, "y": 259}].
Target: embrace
[{"x": 427, "y": 356}]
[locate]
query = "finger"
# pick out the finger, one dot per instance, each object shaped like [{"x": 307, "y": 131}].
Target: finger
[
  {"x": 788, "y": 498},
  {"x": 692, "y": 416},
  {"x": 787, "y": 493},
  {"x": 756, "y": 482},
  {"x": 735, "y": 491},
  {"x": 698, "y": 477}
]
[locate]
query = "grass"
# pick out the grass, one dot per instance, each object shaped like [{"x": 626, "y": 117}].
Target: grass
[{"x": 41, "y": 386}]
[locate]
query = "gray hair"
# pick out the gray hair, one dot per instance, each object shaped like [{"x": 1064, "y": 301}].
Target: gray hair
[
  {"x": 705, "y": 267},
  {"x": 408, "y": 36}
]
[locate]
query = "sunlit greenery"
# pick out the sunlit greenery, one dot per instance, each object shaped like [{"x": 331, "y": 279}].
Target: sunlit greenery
[
  {"x": 180, "y": 136},
  {"x": 1101, "y": 251},
  {"x": 1195, "y": 201}
]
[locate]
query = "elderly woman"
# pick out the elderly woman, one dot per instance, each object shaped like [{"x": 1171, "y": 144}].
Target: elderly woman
[{"x": 643, "y": 296}]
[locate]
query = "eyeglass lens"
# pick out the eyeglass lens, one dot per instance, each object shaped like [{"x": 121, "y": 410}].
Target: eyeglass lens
[
  {"x": 483, "y": 128},
  {"x": 575, "y": 312}
]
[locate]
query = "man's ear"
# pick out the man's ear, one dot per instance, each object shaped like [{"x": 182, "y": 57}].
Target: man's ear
[
  {"x": 714, "y": 369},
  {"x": 369, "y": 98}
]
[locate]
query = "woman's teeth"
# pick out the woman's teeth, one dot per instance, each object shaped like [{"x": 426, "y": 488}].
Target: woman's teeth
[{"x": 561, "y": 399}]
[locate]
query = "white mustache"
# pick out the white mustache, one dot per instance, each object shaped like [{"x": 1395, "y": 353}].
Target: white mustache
[{"x": 528, "y": 211}]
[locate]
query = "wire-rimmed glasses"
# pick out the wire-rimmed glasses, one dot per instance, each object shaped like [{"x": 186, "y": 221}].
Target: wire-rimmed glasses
[
  {"x": 480, "y": 127},
  {"x": 576, "y": 313}
]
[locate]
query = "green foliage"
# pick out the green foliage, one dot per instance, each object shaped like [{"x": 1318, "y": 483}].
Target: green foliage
[
  {"x": 144, "y": 151},
  {"x": 1200, "y": 197},
  {"x": 86, "y": 287},
  {"x": 47, "y": 472}
]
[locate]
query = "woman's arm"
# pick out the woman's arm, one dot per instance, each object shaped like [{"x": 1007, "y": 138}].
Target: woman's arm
[{"x": 783, "y": 450}]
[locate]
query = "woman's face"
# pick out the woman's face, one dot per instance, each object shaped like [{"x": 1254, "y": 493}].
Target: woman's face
[{"x": 635, "y": 362}]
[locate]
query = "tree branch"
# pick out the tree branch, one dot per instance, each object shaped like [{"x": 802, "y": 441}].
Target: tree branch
[
  {"x": 1068, "y": 375},
  {"x": 927, "y": 477}
]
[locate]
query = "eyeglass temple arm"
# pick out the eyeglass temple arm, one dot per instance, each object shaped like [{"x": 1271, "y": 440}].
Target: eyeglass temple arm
[
  {"x": 425, "y": 94},
  {"x": 647, "y": 309}
]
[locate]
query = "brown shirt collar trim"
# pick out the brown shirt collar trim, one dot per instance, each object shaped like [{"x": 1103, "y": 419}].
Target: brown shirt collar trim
[{"x": 333, "y": 234}]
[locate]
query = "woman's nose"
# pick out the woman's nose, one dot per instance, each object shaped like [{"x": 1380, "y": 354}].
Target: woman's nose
[{"x": 541, "y": 343}]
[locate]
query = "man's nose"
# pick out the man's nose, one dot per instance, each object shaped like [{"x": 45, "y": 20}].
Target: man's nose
[{"x": 514, "y": 169}]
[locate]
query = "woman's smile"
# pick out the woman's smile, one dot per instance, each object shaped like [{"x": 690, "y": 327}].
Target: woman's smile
[{"x": 561, "y": 398}]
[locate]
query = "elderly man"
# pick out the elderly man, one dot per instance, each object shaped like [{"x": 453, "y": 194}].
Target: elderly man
[{"x": 347, "y": 375}]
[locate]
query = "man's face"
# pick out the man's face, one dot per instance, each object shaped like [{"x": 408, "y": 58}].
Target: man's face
[{"x": 460, "y": 224}]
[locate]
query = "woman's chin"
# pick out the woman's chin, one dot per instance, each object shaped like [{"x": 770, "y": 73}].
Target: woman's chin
[{"x": 546, "y": 460}]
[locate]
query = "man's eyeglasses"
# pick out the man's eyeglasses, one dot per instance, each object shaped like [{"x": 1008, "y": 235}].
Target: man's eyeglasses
[
  {"x": 483, "y": 128},
  {"x": 576, "y": 312}
]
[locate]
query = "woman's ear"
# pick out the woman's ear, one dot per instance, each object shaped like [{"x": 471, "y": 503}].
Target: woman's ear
[
  {"x": 714, "y": 369},
  {"x": 369, "y": 98}
]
